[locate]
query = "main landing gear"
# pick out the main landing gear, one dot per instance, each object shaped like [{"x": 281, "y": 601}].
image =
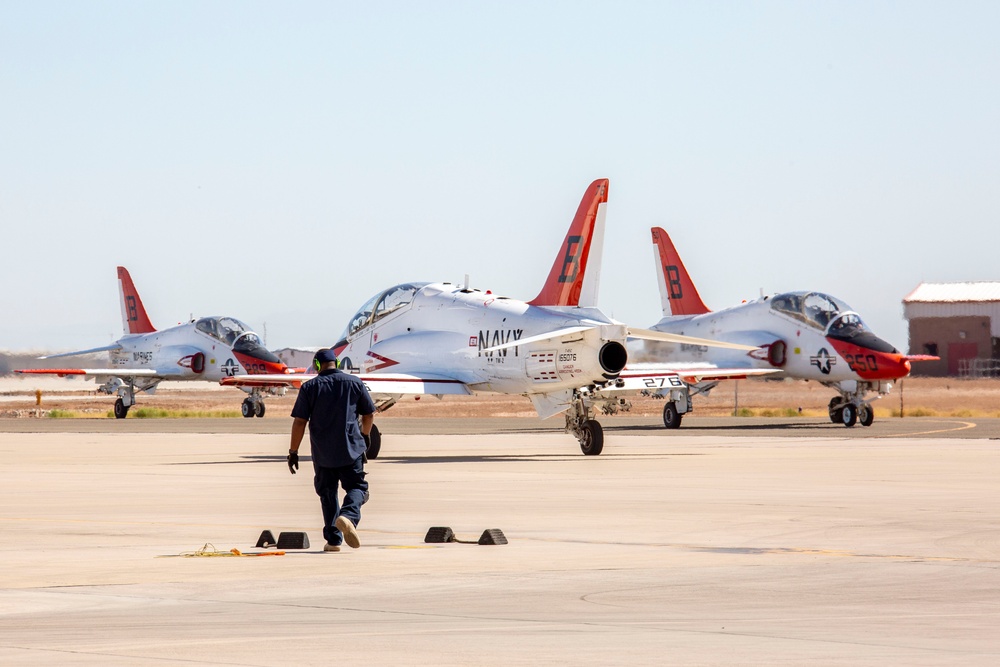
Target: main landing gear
[
  {"x": 253, "y": 407},
  {"x": 588, "y": 431},
  {"x": 121, "y": 410},
  {"x": 850, "y": 413},
  {"x": 678, "y": 401},
  {"x": 671, "y": 417},
  {"x": 126, "y": 394}
]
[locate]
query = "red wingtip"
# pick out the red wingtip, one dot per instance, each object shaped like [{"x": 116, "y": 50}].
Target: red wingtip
[
  {"x": 680, "y": 289},
  {"x": 565, "y": 281},
  {"x": 134, "y": 315}
]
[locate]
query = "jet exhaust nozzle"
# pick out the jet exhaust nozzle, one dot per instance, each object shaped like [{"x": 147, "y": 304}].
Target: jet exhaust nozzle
[{"x": 613, "y": 357}]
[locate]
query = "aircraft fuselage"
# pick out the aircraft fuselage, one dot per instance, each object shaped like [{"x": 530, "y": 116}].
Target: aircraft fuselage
[{"x": 447, "y": 330}]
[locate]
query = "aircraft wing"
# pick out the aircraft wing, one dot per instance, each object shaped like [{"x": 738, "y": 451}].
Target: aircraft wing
[
  {"x": 96, "y": 372},
  {"x": 664, "y": 376},
  {"x": 293, "y": 380},
  {"x": 377, "y": 383},
  {"x": 402, "y": 383},
  {"x": 633, "y": 332},
  {"x": 106, "y": 348}
]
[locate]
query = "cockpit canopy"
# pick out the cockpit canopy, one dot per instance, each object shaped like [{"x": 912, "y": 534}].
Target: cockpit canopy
[
  {"x": 815, "y": 309},
  {"x": 237, "y": 335},
  {"x": 380, "y": 305},
  {"x": 831, "y": 316},
  {"x": 224, "y": 329}
]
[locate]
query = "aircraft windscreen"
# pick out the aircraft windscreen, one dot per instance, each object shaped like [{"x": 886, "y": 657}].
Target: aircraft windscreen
[
  {"x": 850, "y": 328},
  {"x": 815, "y": 309},
  {"x": 251, "y": 345},
  {"x": 225, "y": 329},
  {"x": 381, "y": 305}
]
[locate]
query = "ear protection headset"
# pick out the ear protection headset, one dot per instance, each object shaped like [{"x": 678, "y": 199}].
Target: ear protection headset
[{"x": 318, "y": 365}]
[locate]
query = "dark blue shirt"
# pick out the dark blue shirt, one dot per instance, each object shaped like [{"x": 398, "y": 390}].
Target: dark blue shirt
[{"x": 331, "y": 402}]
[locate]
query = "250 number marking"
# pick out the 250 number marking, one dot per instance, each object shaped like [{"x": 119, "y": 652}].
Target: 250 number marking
[{"x": 860, "y": 363}]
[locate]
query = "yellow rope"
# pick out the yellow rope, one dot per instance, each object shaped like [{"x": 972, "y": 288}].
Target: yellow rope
[{"x": 209, "y": 550}]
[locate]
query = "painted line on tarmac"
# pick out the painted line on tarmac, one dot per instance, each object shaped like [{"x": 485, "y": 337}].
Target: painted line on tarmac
[{"x": 964, "y": 426}]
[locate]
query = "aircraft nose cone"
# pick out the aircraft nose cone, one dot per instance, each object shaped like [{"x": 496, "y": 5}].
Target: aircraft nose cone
[{"x": 892, "y": 367}]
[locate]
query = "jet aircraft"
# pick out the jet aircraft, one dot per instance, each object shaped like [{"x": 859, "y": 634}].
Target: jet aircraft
[
  {"x": 558, "y": 349},
  {"x": 210, "y": 348},
  {"x": 807, "y": 335}
]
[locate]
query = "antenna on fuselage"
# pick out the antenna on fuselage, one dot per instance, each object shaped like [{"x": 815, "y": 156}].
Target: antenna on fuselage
[{"x": 466, "y": 286}]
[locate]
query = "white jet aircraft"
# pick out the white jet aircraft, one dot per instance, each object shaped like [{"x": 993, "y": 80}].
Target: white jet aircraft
[
  {"x": 558, "y": 349},
  {"x": 211, "y": 348},
  {"x": 807, "y": 335}
]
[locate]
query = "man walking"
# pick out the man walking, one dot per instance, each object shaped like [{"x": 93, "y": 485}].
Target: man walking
[{"x": 331, "y": 403}]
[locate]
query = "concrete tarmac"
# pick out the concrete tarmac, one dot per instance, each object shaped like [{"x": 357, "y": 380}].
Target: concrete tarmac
[{"x": 683, "y": 548}]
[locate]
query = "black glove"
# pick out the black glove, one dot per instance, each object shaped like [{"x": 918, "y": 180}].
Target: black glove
[{"x": 293, "y": 461}]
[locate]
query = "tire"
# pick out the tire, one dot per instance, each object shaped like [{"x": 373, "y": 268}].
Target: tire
[
  {"x": 121, "y": 410},
  {"x": 375, "y": 438},
  {"x": 592, "y": 442},
  {"x": 671, "y": 418},
  {"x": 866, "y": 415},
  {"x": 849, "y": 415},
  {"x": 259, "y": 409},
  {"x": 247, "y": 408},
  {"x": 836, "y": 414}
]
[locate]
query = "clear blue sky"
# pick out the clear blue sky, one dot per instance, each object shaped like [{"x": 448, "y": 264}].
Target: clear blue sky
[{"x": 282, "y": 162}]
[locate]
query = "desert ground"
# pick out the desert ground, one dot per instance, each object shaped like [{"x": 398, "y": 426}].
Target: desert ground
[{"x": 914, "y": 397}]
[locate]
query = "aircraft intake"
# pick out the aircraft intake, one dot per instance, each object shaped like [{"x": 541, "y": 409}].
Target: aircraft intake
[
  {"x": 613, "y": 357},
  {"x": 776, "y": 353}
]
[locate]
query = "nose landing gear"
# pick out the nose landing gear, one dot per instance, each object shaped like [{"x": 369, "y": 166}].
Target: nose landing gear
[
  {"x": 253, "y": 405},
  {"x": 851, "y": 410}
]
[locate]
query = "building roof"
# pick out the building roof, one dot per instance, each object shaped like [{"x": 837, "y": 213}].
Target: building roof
[{"x": 954, "y": 292}]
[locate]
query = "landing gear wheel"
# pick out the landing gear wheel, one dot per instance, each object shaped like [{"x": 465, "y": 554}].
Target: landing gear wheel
[
  {"x": 259, "y": 409},
  {"x": 121, "y": 410},
  {"x": 375, "y": 440},
  {"x": 247, "y": 408},
  {"x": 865, "y": 414},
  {"x": 836, "y": 414},
  {"x": 671, "y": 418},
  {"x": 849, "y": 415},
  {"x": 592, "y": 438}
]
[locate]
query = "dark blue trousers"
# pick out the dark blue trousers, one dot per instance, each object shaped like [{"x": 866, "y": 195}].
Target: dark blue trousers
[{"x": 352, "y": 478}]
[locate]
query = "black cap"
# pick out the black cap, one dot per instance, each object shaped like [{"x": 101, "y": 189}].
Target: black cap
[{"x": 325, "y": 356}]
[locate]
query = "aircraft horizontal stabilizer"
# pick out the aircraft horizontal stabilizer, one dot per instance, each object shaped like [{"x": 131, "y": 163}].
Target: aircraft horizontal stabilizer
[
  {"x": 106, "y": 348},
  {"x": 649, "y": 334},
  {"x": 558, "y": 333}
]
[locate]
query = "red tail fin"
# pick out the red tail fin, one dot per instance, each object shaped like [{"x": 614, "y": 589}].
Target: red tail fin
[
  {"x": 134, "y": 318},
  {"x": 569, "y": 282},
  {"x": 677, "y": 291}
]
